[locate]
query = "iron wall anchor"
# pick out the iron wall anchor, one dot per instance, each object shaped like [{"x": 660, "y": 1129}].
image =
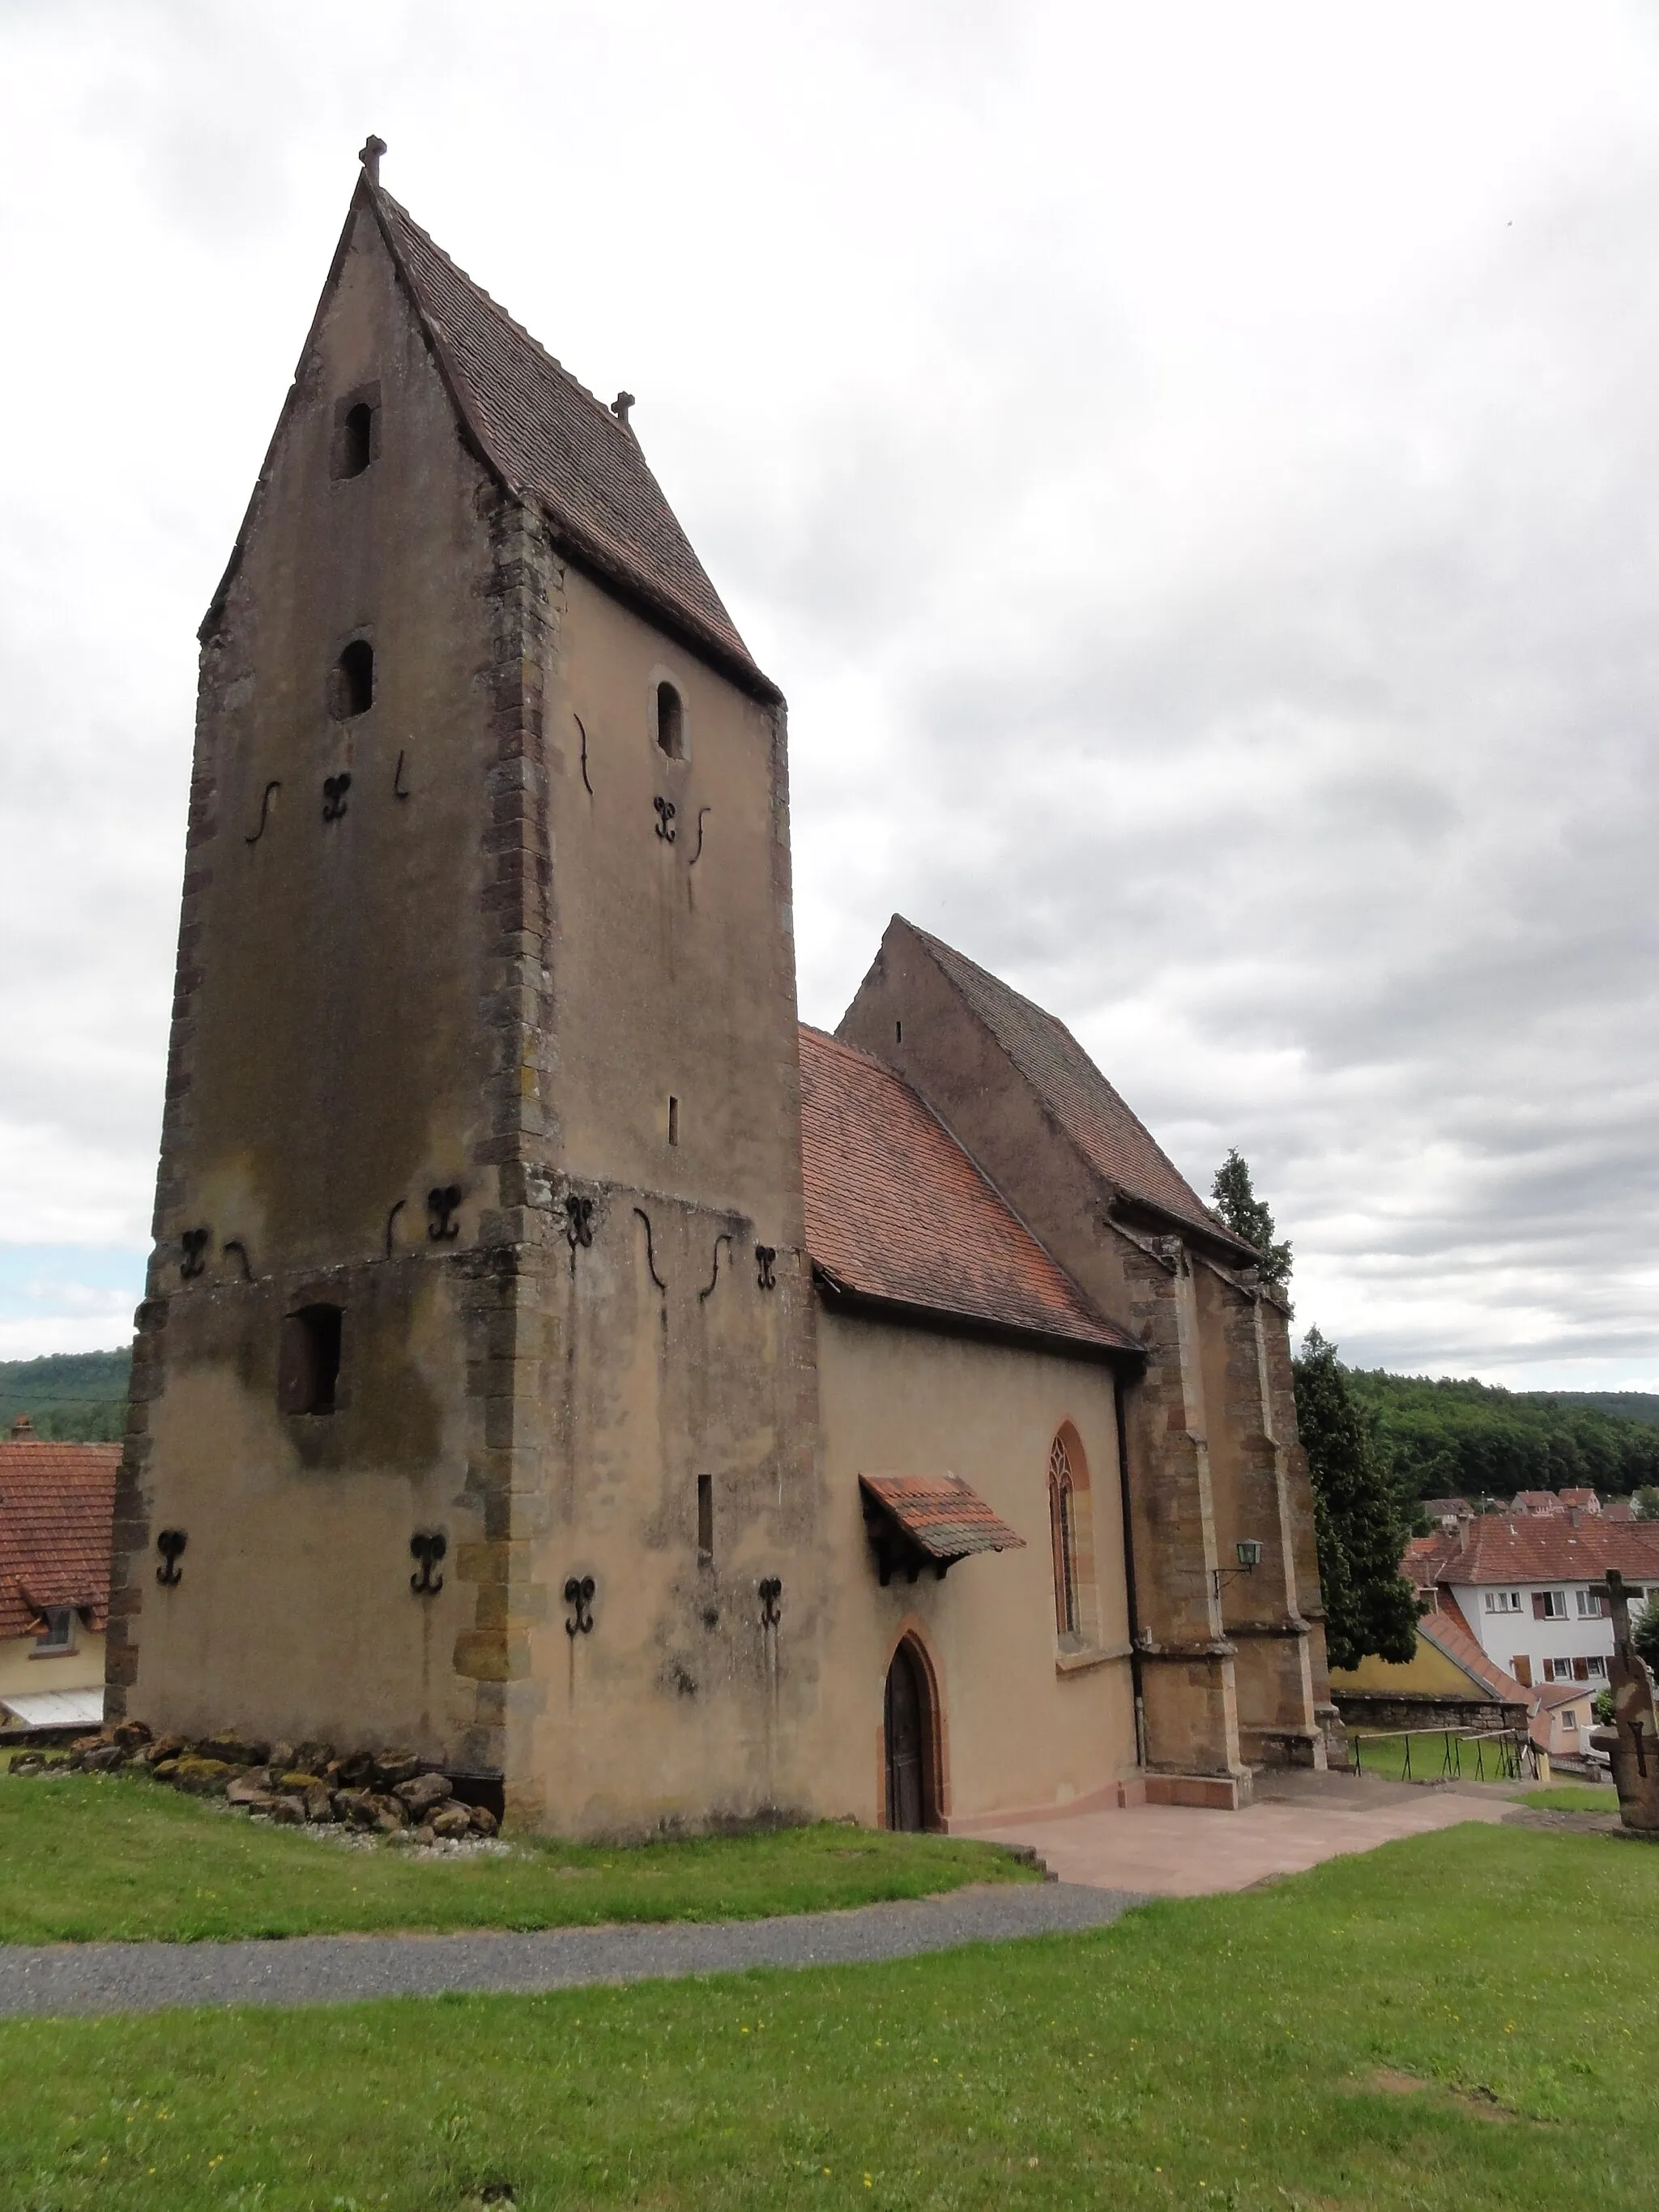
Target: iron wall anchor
[
  {"x": 578, "y": 1596},
  {"x": 428, "y": 1547},
  {"x": 170, "y": 1544}
]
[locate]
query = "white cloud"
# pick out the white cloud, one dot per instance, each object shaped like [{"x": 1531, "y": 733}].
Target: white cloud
[{"x": 1190, "y": 469}]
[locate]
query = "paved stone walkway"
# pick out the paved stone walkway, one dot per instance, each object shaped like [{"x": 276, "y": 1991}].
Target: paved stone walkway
[
  {"x": 1296, "y": 1821},
  {"x": 123, "y": 1977}
]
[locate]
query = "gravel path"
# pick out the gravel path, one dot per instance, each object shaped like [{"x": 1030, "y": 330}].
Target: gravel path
[{"x": 117, "y": 1977}]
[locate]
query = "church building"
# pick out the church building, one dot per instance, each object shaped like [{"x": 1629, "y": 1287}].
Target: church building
[{"x": 557, "y": 1360}]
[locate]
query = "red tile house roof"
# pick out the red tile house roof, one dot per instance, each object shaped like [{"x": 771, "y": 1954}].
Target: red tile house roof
[
  {"x": 56, "y": 1510},
  {"x": 1539, "y": 1501},
  {"x": 1448, "y": 1634},
  {"x": 552, "y": 442},
  {"x": 1115, "y": 1144},
  {"x": 1544, "y": 1549},
  {"x": 898, "y": 1215}
]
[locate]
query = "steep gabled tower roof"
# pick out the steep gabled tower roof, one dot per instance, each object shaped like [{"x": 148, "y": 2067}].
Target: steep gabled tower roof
[
  {"x": 552, "y": 444},
  {"x": 1114, "y": 1142}
]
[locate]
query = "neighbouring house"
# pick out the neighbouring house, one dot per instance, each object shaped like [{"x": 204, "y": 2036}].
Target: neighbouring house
[
  {"x": 1445, "y": 1511},
  {"x": 57, "y": 1502},
  {"x": 1447, "y": 1682},
  {"x": 1450, "y": 1682},
  {"x": 1549, "y": 1502},
  {"x": 1562, "y": 1718},
  {"x": 874, "y": 1424},
  {"x": 1528, "y": 1587}
]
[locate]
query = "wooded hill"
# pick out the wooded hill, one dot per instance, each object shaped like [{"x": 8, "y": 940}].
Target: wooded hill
[
  {"x": 1468, "y": 1439},
  {"x": 78, "y": 1396}
]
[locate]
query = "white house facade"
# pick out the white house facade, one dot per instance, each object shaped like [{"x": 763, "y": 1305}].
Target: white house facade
[{"x": 1529, "y": 1588}]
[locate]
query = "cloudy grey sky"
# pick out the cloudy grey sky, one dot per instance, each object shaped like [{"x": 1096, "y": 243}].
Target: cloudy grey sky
[{"x": 1193, "y": 470}]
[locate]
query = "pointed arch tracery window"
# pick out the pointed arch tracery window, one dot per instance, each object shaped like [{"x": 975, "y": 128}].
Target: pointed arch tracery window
[{"x": 1062, "y": 1520}]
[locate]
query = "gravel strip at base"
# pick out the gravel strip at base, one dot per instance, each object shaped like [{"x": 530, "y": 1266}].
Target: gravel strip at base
[{"x": 303, "y": 1970}]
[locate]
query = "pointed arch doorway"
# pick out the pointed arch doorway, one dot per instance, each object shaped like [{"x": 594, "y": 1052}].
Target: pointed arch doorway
[{"x": 908, "y": 1722}]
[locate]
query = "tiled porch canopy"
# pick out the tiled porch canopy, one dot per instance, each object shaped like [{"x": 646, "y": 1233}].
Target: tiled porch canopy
[{"x": 917, "y": 1521}]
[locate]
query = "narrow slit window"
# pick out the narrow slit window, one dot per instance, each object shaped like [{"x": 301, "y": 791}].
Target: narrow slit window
[
  {"x": 898, "y": 1033},
  {"x": 705, "y": 1517},
  {"x": 356, "y": 439},
  {"x": 671, "y": 722},
  {"x": 354, "y": 680},
  {"x": 308, "y": 1360},
  {"x": 673, "y": 1120}
]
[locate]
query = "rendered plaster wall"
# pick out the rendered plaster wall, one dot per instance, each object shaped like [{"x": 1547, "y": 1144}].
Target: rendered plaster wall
[
  {"x": 328, "y": 1068},
  {"x": 25, "y": 1671},
  {"x": 667, "y": 1347},
  {"x": 909, "y": 1013},
  {"x": 1024, "y": 1725},
  {"x": 494, "y": 984},
  {"x": 1211, "y": 1421}
]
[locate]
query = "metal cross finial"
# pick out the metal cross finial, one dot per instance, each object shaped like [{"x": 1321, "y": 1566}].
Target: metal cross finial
[
  {"x": 370, "y": 157},
  {"x": 620, "y": 405}
]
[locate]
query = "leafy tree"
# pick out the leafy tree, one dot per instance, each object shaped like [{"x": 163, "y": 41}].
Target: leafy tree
[
  {"x": 1602, "y": 1707},
  {"x": 1646, "y": 1502},
  {"x": 1644, "y": 1635},
  {"x": 1361, "y": 1519},
  {"x": 1475, "y": 1440},
  {"x": 1248, "y": 1217}
]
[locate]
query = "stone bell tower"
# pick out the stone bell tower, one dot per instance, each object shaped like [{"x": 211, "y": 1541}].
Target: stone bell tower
[{"x": 473, "y": 1391}]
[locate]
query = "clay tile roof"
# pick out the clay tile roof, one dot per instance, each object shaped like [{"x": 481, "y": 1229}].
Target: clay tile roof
[
  {"x": 1115, "y": 1144},
  {"x": 1538, "y": 1501},
  {"x": 897, "y": 1213},
  {"x": 1587, "y": 1499},
  {"x": 550, "y": 440},
  {"x": 940, "y": 1515},
  {"x": 1448, "y": 1634},
  {"x": 56, "y": 1510},
  {"x": 1544, "y": 1549}
]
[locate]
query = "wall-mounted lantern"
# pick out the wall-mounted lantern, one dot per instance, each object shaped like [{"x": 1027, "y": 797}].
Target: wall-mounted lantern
[{"x": 1247, "y": 1551}]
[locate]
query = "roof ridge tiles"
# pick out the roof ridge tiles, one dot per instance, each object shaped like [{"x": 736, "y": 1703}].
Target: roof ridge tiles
[{"x": 491, "y": 301}]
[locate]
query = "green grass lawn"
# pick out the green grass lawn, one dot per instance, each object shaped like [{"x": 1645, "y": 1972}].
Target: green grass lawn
[
  {"x": 1572, "y": 1797},
  {"x": 1462, "y": 2022},
  {"x": 89, "y": 1855}
]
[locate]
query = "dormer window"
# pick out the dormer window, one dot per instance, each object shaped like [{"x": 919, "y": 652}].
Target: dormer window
[
  {"x": 57, "y": 1633},
  {"x": 671, "y": 722},
  {"x": 354, "y": 680}
]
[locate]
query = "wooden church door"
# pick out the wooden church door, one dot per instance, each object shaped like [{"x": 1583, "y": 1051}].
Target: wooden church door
[{"x": 908, "y": 1727}]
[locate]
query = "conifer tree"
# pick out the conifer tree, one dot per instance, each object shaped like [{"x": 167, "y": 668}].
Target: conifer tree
[
  {"x": 1361, "y": 1520},
  {"x": 1248, "y": 1217}
]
